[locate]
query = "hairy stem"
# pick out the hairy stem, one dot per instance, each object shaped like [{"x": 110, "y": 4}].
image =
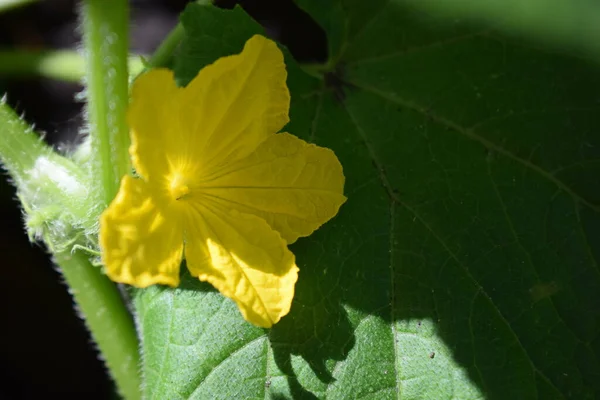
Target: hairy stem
[
  {"x": 20, "y": 147},
  {"x": 105, "y": 34},
  {"x": 107, "y": 318}
]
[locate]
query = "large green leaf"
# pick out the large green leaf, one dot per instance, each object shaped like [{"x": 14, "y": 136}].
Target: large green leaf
[{"x": 464, "y": 264}]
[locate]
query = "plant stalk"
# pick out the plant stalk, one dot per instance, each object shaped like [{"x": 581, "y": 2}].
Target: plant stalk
[
  {"x": 20, "y": 147},
  {"x": 164, "y": 53},
  {"x": 107, "y": 318},
  {"x": 105, "y": 36},
  {"x": 106, "y": 41}
]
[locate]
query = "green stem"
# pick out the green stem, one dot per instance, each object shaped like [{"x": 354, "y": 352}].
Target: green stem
[
  {"x": 105, "y": 35},
  {"x": 55, "y": 181},
  {"x": 64, "y": 65},
  {"x": 162, "y": 56},
  {"x": 41, "y": 175},
  {"x": 20, "y": 147},
  {"x": 107, "y": 318}
]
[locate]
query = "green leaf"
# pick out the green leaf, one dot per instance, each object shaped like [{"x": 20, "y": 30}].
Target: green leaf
[{"x": 464, "y": 264}]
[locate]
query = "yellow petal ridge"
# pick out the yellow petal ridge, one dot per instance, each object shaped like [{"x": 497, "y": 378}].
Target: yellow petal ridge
[
  {"x": 244, "y": 259},
  {"x": 293, "y": 185},
  {"x": 141, "y": 245},
  {"x": 236, "y": 103},
  {"x": 153, "y": 118}
]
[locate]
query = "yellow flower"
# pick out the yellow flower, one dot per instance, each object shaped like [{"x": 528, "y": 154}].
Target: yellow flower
[{"x": 219, "y": 185}]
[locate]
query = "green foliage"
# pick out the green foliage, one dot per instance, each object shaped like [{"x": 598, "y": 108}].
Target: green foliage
[{"x": 465, "y": 262}]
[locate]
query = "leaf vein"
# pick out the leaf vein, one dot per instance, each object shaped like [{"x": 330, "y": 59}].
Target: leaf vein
[
  {"x": 444, "y": 245},
  {"x": 586, "y": 241},
  {"x": 475, "y": 365},
  {"x": 524, "y": 250},
  {"x": 161, "y": 377},
  {"x": 227, "y": 357},
  {"x": 473, "y": 136},
  {"x": 393, "y": 299}
]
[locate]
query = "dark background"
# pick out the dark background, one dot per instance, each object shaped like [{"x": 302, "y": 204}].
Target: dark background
[{"x": 44, "y": 347}]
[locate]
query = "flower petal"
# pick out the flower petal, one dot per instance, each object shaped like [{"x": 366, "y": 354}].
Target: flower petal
[
  {"x": 140, "y": 244},
  {"x": 293, "y": 185},
  {"x": 244, "y": 259},
  {"x": 236, "y": 103},
  {"x": 153, "y": 117}
]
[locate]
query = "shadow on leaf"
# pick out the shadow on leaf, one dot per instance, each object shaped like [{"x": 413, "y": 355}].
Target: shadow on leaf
[{"x": 317, "y": 329}]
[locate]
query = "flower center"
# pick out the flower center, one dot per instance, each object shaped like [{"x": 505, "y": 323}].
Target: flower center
[{"x": 178, "y": 188}]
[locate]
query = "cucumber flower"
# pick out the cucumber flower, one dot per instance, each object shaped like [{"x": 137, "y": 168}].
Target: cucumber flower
[{"x": 217, "y": 185}]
